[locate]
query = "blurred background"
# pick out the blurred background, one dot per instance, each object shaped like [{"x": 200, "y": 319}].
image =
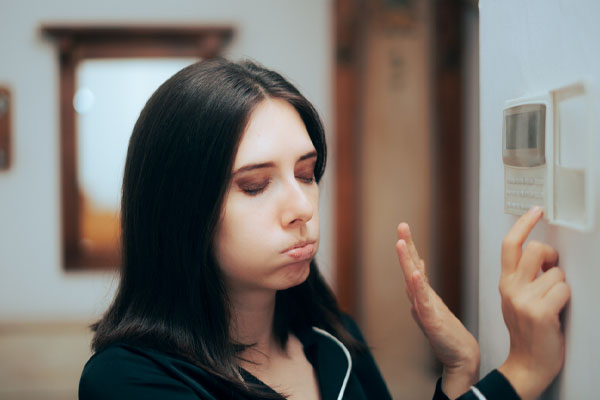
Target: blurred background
[{"x": 395, "y": 82}]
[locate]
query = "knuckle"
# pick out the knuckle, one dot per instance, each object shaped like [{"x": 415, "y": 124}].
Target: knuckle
[
  {"x": 564, "y": 288},
  {"x": 511, "y": 300},
  {"x": 508, "y": 243},
  {"x": 508, "y": 292},
  {"x": 530, "y": 312},
  {"x": 519, "y": 304},
  {"x": 546, "y": 315},
  {"x": 557, "y": 273},
  {"x": 501, "y": 289},
  {"x": 534, "y": 247},
  {"x": 425, "y": 303},
  {"x": 399, "y": 246},
  {"x": 540, "y": 315},
  {"x": 434, "y": 324}
]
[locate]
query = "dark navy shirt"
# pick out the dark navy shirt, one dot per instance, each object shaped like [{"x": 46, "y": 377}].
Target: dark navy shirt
[{"x": 124, "y": 372}]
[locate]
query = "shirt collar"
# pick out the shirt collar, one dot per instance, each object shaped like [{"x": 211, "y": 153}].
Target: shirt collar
[{"x": 330, "y": 359}]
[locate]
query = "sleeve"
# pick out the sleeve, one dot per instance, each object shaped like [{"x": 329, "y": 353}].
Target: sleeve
[
  {"x": 493, "y": 387},
  {"x": 118, "y": 375},
  {"x": 439, "y": 394}
]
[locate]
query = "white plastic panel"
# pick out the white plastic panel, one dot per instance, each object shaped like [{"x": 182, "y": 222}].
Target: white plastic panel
[
  {"x": 571, "y": 127},
  {"x": 563, "y": 185},
  {"x": 573, "y": 157}
]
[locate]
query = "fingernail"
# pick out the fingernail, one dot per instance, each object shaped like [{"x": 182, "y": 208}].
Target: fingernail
[{"x": 535, "y": 210}]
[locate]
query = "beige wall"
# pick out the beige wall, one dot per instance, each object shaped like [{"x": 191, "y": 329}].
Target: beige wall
[
  {"x": 42, "y": 360},
  {"x": 395, "y": 165}
]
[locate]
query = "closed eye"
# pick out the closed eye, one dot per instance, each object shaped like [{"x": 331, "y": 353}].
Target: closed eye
[
  {"x": 253, "y": 188},
  {"x": 307, "y": 179},
  {"x": 305, "y": 171},
  {"x": 254, "y": 192}
]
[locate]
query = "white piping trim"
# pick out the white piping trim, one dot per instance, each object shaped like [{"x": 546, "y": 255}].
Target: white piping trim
[
  {"x": 346, "y": 352},
  {"x": 478, "y": 394}
]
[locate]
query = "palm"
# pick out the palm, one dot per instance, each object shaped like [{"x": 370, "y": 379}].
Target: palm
[
  {"x": 451, "y": 342},
  {"x": 448, "y": 337}
]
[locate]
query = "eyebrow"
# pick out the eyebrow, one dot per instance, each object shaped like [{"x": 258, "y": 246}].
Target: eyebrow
[{"x": 270, "y": 164}]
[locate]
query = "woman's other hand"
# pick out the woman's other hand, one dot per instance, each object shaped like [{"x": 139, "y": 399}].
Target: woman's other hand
[
  {"x": 531, "y": 305},
  {"x": 452, "y": 344}
]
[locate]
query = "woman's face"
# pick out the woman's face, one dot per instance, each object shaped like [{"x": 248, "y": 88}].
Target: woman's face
[{"x": 269, "y": 229}]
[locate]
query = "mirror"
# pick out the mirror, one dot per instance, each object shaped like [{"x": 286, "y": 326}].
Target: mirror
[
  {"x": 106, "y": 75},
  {"x": 109, "y": 95}
]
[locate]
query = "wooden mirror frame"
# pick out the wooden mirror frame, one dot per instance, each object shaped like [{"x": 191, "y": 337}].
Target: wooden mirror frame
[{"x": 76, "y": 43}]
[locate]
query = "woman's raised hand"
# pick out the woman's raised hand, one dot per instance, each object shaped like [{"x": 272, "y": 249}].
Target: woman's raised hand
[
  {"x": 452, "y": 344},
  {"x": 531, "y": 303}
]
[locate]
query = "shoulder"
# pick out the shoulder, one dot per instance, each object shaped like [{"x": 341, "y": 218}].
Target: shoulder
[
  {"x": 124, "y": 372},
  {"x": 115, "y": 360}
]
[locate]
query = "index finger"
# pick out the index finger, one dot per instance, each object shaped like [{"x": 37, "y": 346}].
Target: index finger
[
  {"x": 405, "y": 234},
  {"x": 512, "y": 245},
  {"x": 406, "y": 262}
]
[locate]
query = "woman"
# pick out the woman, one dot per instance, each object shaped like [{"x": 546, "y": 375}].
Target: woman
[{"x": 219, "y": 295}]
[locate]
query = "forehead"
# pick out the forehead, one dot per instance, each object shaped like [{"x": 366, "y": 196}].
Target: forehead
[{"x": 274, "y": 132}]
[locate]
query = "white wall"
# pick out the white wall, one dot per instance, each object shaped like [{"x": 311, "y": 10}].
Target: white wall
[
  {"x": 528, "y": 47},
  {"x": 294, "y": 38}
]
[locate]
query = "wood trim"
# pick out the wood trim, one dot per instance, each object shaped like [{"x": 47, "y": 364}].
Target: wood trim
[
  {"x": 128, "y": 32},
  {"x": 349, "y": 28},
  {"x": 5, "y": 128},
  {"x": 448, "y": 143},
  {"x": 141, "y": 41},
  {"x": 68, "y": 146},
  {"x": 76, "y": 43},
  {"x": 393, "y": 15}
]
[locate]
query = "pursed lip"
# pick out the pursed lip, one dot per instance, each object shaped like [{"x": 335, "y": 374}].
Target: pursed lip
[
  {"x": 299, "y": 245},
  {"x": 301, "y": 251}
]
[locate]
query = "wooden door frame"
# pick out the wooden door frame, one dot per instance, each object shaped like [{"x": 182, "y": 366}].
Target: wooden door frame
[
  {"x": 349, "y": 31},
  {"x": 447, "y": 178}
]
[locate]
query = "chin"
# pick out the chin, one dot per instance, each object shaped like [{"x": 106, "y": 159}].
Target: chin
[{"x": 295, "y": 274}]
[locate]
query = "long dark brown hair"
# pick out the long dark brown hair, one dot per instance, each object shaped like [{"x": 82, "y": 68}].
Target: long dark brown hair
[{"x": 171, "y": 295}]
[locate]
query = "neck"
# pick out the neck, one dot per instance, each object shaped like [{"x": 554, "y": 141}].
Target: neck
[{"x": 252, "y": 323}]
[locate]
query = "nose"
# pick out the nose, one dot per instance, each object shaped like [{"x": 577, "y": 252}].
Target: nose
[{"x": 297, "y": 207}]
